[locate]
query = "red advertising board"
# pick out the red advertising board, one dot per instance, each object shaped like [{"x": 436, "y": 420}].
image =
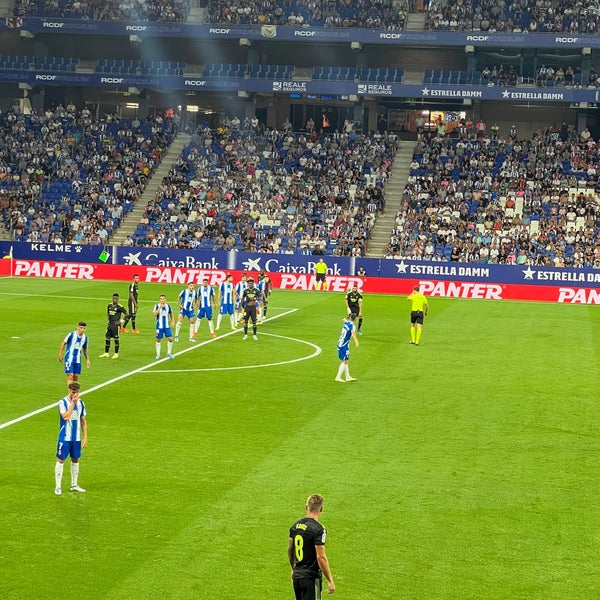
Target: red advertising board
[{"x": 566, "y": 294}]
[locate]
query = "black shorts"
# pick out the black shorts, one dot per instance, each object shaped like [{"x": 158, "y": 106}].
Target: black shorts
[
  {"x": 321, "y": 277},
  {"x": 307, "y": 589},
  {"x": 250, "y": 314},
  {"x": 132, "y": 307},
  {"x": 354, "y": 308},
  {"x": 112, "y": 331},
  {"x": 417, "y": 316}
]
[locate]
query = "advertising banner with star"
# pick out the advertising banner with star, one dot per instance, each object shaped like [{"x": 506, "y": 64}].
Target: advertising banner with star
[{"x": 296, "y": 272}]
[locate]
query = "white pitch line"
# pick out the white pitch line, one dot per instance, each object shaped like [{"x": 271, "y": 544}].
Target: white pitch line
[
  {"x": 128, "y": 374},
  {"x": 258, "y": 366}
]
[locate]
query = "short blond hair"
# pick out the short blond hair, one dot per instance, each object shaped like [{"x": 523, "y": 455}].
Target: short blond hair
[{"x": 314, "y": 503}]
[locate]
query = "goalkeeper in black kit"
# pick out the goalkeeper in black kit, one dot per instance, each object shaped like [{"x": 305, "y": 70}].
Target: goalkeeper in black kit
[{"x": 354, "y": 302}]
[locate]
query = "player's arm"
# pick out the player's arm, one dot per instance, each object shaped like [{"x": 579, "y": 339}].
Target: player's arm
[
  {"x": 354, "y": 337},
  {"x": 348, "y": 309},
  {"x": 290, "y": 551},
  {"x": 84, "y": 431},
  {"x": 171, "y": 317},
  {"x": 61, "y": 351},
  {"x": 86, "y": 355},
  {"x": 360, "y": 307},
  {"x": 324, "y": 566},
  {"x": 426, "y": 308},
  {"x": 156, "y": 310}
]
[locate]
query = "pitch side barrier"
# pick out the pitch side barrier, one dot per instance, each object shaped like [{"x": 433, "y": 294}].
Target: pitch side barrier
[{"x": 296, "y": 272}]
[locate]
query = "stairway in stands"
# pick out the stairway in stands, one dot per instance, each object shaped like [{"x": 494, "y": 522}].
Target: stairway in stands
[
  {"x": 380, "y": 234},
  {"x": 131, "y": 221}
]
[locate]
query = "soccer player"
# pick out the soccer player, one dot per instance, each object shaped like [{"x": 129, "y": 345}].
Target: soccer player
[
  {"x": 206, "y": 301},
  {"x": 418, "y": 311},
  {"x": 264, "y": 285},
  {"x": 73, "y": 346},
  {"x": 251, "y": 303},
  {"x": 187, "y": 308},
  {"x": 354, "y": 300},
  {"x": 113, "y": 317},
  {"x": 306, "y": 553},
  {"x": 240, "y": 286},
  {"x": 132, "y": 305},
  {"x": 226, "y": 301},
  {"x": 164, "y": 322},
  {"x": 72, "y": 437},
  {"x": 321, "y": 275},
  {"x": 348, "y": 333}
]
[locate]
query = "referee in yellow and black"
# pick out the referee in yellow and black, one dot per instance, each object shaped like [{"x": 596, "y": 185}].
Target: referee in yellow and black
[
  {"x": 321, "y": 275},
  {"x": 418, "y": 311}
]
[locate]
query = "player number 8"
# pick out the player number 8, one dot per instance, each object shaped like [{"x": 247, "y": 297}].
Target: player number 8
[{"x": 299, "y": 547}]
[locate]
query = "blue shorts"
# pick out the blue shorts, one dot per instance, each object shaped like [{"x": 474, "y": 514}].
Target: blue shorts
[
  {"x": 344, "y": 352},
  {"x": 226, "y": 309},
  {"x": 64, "y": 449},
  {"x": 73, "y": 368},
  {"x": 164, "y": 332},
  {"x": 190, "y": 314},
  {"x": 205, "y": 312}
]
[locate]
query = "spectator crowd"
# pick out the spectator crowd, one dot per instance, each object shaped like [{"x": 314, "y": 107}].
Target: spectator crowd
[{"x": 517, "y": 201}]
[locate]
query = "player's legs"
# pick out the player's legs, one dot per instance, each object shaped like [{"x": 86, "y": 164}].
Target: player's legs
[
  {"x": 307, "y": 589},
  {"x": 192, "y": 322},
  {"x": 159, "y": 336},
  {"x": 178, "y": 326},
  {"x": 117, "y": 341},
  {"x": 419, "y": 328}
]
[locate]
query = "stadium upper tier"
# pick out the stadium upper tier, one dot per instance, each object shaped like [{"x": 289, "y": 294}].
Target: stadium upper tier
[{"x": 563, "y": 16}]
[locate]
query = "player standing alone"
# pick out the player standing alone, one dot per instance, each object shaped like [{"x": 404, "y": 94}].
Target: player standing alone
[
  {"x": 348, "y": 333},
  {"x": 306, "y": 553},
  {"x": 72, "y": 437},
  {"x": 113, "y": 317},
  {"x": 74, "y": 345},
  {"x": 164, "y": 321},
  {"x": 419, "y": 310},
  {"x": 132, "y": 305},
  {"x": 251, "y": 303},
  {"x": 354, "y": 302}
]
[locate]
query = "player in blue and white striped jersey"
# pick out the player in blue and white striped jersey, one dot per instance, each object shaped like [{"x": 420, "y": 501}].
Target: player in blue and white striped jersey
[
  {"x": 240, "y": 286},
  {"x": 206, "y": 302},
  {"x": 74, "y": 345},
  {"x": 187, "y": 308},
  {"x": 72, "y": 437},
  {"x": 164, "y": 321},
  {"x": 226, "y": 301}
]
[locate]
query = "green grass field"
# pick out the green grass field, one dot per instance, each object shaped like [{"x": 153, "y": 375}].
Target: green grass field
[{"x": 466, "y": 468}]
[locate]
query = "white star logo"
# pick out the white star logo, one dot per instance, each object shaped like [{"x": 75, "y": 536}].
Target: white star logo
[
  {"x": 529, "y": 272},
  {"x": 401, "y": 267},
  {"x": 425, "y": 91},
  {"x": 252, "y": 264},
  {"x": 505, "y": 94},
  {"x": 133, "y": 259}
]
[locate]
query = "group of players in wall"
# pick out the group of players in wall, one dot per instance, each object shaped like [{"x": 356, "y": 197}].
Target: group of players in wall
[{"x": 244, "y": 302}]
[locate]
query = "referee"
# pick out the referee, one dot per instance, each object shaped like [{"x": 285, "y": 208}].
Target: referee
[
  {"x": 418, "y": 311},
  {"x": 320, "y": 275},
  {"x": 354, "y": 302}
]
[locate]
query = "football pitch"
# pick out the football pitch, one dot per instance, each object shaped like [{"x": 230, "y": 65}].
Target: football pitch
[{"x": 465, "y": 468}]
